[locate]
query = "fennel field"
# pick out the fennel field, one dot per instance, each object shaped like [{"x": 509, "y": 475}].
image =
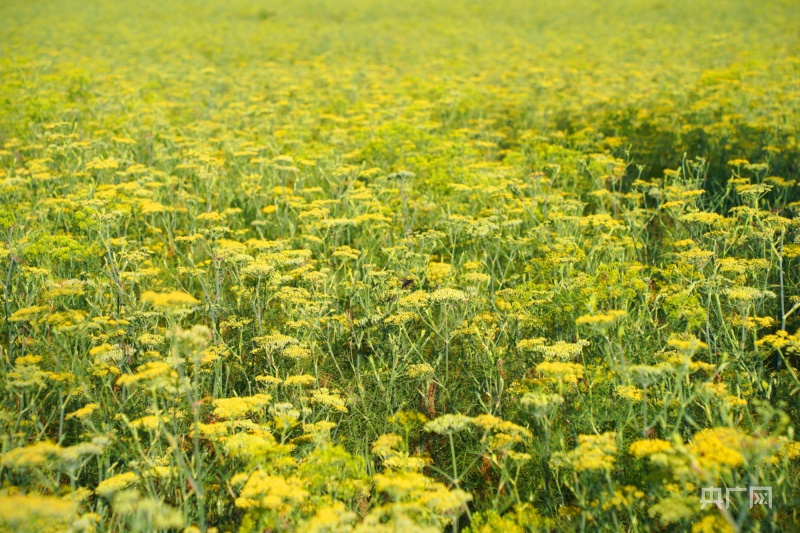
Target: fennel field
[{"x": 373, "y": 266}]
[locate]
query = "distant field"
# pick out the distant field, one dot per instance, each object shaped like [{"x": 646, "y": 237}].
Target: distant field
[{"x": 399, "y": 266}]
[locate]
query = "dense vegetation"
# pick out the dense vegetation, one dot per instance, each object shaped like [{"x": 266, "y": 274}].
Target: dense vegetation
[{"x": 399, "y": 266}]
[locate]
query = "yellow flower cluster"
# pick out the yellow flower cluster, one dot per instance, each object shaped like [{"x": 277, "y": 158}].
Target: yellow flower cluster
[
  {"x": 227, "y": 408},
  {"x": 601, "y": 320},
  {"x": 593, "y": 453},
  {"x": 563, "y": 372},
  {"x": 168, "y": 300}
]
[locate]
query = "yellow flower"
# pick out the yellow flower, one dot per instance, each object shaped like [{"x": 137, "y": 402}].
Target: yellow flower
[
  {"x": 711, "y": 453},
  {"x": 422, "y": 370},
  {"x": 594, "y": 452},
  {"x": 33, "y": 512},
  {"x": 400, "y": 318},
  {"x": 701, "y": 217},
  {"x": 297, "y": 352},
  {"x": 258, "y": 270},
  {"x": 746, "y": 295},
  {"x": 328, "y": 398},
  {"x": 211, "y": 216},
  {"x": 252, "y": 447},
  {"x": 601, "y": 321},
  {"x": 477, "y": 278},
  {"x": 273, "y": 492},
  {"x": 154, "y": 374},
  {"x": 541, "y": 402},
  {"x": 674, "y": 508},
  {"x": 559, "y": 350},
  {"x": 448, "y": 424},
  {"x": 27, "y": 314},
  {"x": 109, "y": 486},
  {"x": 269, "y": 380},
  {"x": 274, "y": 342},
  {"x": 779, "y": 339},
  {"x": 214, "y": 430},
  {"x": 330, "y": 518},
  {"x": 226, "y": 408},
  {"x": 150, "y": 422},
  {"x": 29, "y": 360},
  {"x": 83, "y": 412},
  {"x": 102, "y": 164},
  {"x": 438, "y": 272},
  {"x": 387, "y": 445},
  {"x": 687, "y": 346},
  {"x": 630, "y": 392},
  {"x": 712, "y": 523},
  {"x": 566, "y": 372},
  {"x": 644, "y": 448},
  {"x": 35, "y": 455},
  {"x": 346, "y": 252},
  {"x": 169, "y": 300},
  {"x": 416, "y": 299},
  {"x": 302, "y": 380},
  {"x": 449, "y": 296}
]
